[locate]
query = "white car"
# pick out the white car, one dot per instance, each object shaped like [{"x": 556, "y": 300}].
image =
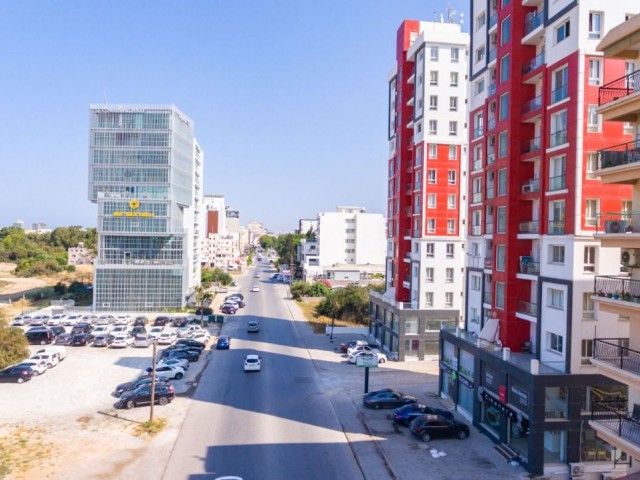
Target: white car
[
  {"x": 185, "y": 331},
  {"x": 100, "y": 330},
  {"x": 362, "y": 348},
  {"x": 72, "y": 320},
  {"x": 92, "y": 319},
  {"x": 167, "y": 338},
  {"x": 50, "y": 359},
  {"x": 38, "y": 320},
  {"x": 381, "y": 356},
  {"x": 38, "y": 366},
  {"x": 122, "y": 341},
  {"x": 252, "y": 363},
  {"x": 21, "y": 320},
  {"x": 178, "y": 362},
  {"x": 255, "y": 288},
  {"x": 143, "y": 340},
  {"x": 105, "y": 320},
  {"x": 201, "y": 336},
  {"x": 155, "y": 332},
  {"x": 122, "y": 320},
  {"x": 57, "y": 320},
  {"x": 167, "y": 372},
  {"x": 257, "y": 275}
]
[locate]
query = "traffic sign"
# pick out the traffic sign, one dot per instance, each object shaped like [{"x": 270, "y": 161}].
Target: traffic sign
[{"x": 367, "y": 360}]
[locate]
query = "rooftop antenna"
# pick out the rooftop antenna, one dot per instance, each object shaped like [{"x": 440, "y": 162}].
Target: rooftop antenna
[
  {"x": 104, "y": 94},
  {"x": 451, "y": 14}
]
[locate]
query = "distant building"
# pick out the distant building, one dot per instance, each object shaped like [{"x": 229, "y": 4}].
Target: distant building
[
  {"x": 306, "y": 225},
  {"x": 79, "y": 255},
  {"x": 225, "y": 239},
  {"x": 255, "y": 231}
]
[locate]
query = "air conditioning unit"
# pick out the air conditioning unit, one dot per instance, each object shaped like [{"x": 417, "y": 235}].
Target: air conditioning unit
[
  {"x": 615, "y": 226},
  {"x": 527, "y": 188},
  {"x": 577, "y": 469}
]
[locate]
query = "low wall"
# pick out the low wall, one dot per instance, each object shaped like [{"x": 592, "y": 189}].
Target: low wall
[{"x": 347, "y": 330}]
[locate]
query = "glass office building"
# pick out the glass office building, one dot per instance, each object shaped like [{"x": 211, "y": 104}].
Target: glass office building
[{"x": 145, "y": 173}]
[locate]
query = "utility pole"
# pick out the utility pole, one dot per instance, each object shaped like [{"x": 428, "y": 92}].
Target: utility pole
[{"x": 153, "y": 381}]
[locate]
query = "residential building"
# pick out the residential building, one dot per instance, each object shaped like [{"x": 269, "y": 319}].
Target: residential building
[
  {"x": 307, "y": 225},
  {"x": 79, "y": 255},
  {"x": 426, "y": 191},
  {"x": 520, "y": 368},
  {"x": 215, "y": 211},
  {"x": 221, "y": 248},
  {"x": 255, "y": 231},
  {"x": 145, "y": 175}
]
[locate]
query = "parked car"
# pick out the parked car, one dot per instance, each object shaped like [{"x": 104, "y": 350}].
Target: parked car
[
  {"x": 38, "y": 366},
  {"x": 64, "y": 339},
  {"x": 405, "y": 415},
  {"x": 187, "y": 348},
  {"x": 252, "y": 363},
  {"x": 105, "y": 320},
  {"x": 132, "y": 385},
  {"x": 38, "y": 320},
  {"x": 15, "y": 374},
  {"x": 234, "y": 295},
  {"x": 57, "y": 330},
  {"x": 82, "y": 328},
  {"x": 164, "y": 394},
  {"x": 42, "y": 336},
  {"x": 181, "y": 354},
  {"x": 427, "y": 427},
  {"x": 155, "y": 332},
  {"x": 228, "y": 309},
  {"x": 49, "y": 359},
  {"x": 81, "y": 339},
  {"x": 20, "y": 320},
  {"x": 56, "y": 350},
  {"x": 137, "y": 331},
  {"x": 71, "y": 320},
  {"x": 236, "y": 301},
  {"x": 101, "y": 330},
  {"x": 179, "y": 321},
  {"x": 180, "y": 362},
  {"x": 118, "y": 330},
  {"x": 142, "y": 340},
  {"x": 253, "y": 326},
  {"x": 57, "y": 319},
  {"x": 344, "y": 347},
  {"x": 234, "y": 284},
  {"x": 103, "y": 340},
  {"x": 170, "y": 372},
  {"x": 167, "y": 338},
  {"x": 387, "y": 398},
  {"x": 90, "y": 319},
  {"x": 160, "y": 321},
  {"x": 122, "y": 320},
  {"x": 362, "y": 348},
  {"x": 201, "y": 336},
  {"x": 122, "y": 341},
  {"x": 189, "y": 329},
  {"x": 382, "y": 358},
  {"x": 223, "y": 343},
  {"x": 140, "y": 321},
  {"x": 190, "y": 342}
]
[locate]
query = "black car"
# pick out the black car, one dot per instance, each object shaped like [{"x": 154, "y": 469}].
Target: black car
[
  {"x": 132, "y": 385},
  {"x": 228, "y": 309},
  {"x": 387, "y": 398},
  {"x": 190, "y": 342},
  {"x": 16, "y": 374},
  {"x": 140, "y": 321},
  {"x": 40, "y": 336},
  {"x": 190, "y": 355},
  {"x": 57, "y": 330},
  {"x": 164, "y": 394},
  {"x": 161, "y": 321},
  {"x": 139, "y": 330},
  {"x": 64, "y": 339},
  {"x": 179, "y": 321},
  {"x": 405, "y": 415},
  {"x": 103, "y": 340},
  {"x": 81, "y": 339},
  {"x": 427, "y": 427},
  {"x": 82, "y": 328}
]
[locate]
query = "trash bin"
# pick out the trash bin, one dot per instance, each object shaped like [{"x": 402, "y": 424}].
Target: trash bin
[
  {"x": 219, "y": 318},
  {"x": 211, "y": 319}
]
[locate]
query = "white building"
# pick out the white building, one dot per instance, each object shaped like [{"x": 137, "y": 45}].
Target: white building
[
  {"x": 306, "y": 225},
  {"x": 79, "y": 255}
]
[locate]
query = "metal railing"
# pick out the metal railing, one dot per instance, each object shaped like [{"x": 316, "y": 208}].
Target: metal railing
[
  {"x": 492, "y": 89},
  {"x": 532, "y": 21},
  {"x": 532, "y": 226},
  {"x": 490, "y": 193},
  {"x": 531, "y": 186},
  {"x": 478, "y": 132},
  {"x": 530, "y": 146},
  {"x": 559, "y": 182},
  {"x": 556, "y": 227},
  {"x": 527, "y": 308},
  {"x": 488, "y": 228},
  {"x": 618, "y": 222},
  {"x": 559, "y": 93},
  {"x": 617, "y": 420},
  {"x": 529, "y": 267},
  {"x": 614, "y": 352},
  {"x": 619, "y": 88},
  {"x": 532, "y": 105},
  {"x": 534, "y": 64},
  {"x": 558, "y": 138},
  {"x": 622, "y": 154},
  {"x": 493, "y": 54},
  {"x": 617, "y": 288}
]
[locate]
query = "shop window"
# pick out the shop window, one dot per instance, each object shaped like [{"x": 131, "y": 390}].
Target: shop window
[{"x": 556, "y": 403}]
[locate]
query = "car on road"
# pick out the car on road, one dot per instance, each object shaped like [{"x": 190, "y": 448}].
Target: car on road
[
  {"x": 122, "y": 341},
  {"x": 255, "y": 288},
  {"x": 253, "y": 326},
  {"x": 140, "y": 321},
  {"x": 81, "y": 339},
  {"x": 15, "y": 374},
  {"x": 234, "y": 284},
  {"x": 256, "y": 275},
  {"x": 164, "y": 394},
  {"x": 387, "y": 398},
  {"x": 382, "y": 358},
  {"x": 38, "y": 366},
  {"x": 405, "y": 415},
  {"x": 344, "y": 347},
  {"x": 169, "y": 372},
  {"x": 167, "y": 338},
  {"x": 228, "y": 309},
  {"x": 223, "y": 343},
  {"x": 252, "y": 363},
  {"x": 142, "y": 340},
  {"x": 427, "y": 427},
  {"x": 50, "y": 359},
  {"x": 64, "y": 339},
  {"x": 190, "y": 342},
  {"x": 133, "y": 384},
  {"x": 103, "y": 340}
]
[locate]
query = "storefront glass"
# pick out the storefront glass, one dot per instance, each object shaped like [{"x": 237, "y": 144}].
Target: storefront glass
[
  {"x": 448, "y": 387},
  {"x": 466, "y": 364},
  {"x": 519, "y": 436},
  {"x": 492, "y": 419},
  {"x": 555, "y": 447},
  {"x": 556, "y": 403},
  {"x": 449, "y": 355},
  {"x": 465, "y": 400},
  {"x": 411, "y": 348}
]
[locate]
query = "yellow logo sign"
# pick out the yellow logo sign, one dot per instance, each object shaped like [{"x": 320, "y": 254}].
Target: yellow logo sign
[{"x": 134, "y": 203}]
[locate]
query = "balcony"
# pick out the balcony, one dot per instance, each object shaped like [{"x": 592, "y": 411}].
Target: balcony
[
  {"x": 490, "y": 193},
  {"x": 560, "y": 93},
  {"x": 528, "y": 267},
  {"x": 617, "y": 426},
  {"x": 476, "y": 197},
  {"x": 533, "y": 105},
  {"x": 527, "y": 308},
  {"x": 493, "y": 21},
  {"x": 556, "y": 227},
  {"x": 613, "y": 352},
  {"x": 531, "y": 146},
  {"x": 619, "y": 100},
  {"x": 487, "y": 298},
  {"x": 625, "y": 155},
  {"x": 477, "y": 165},
  {"x": 491, "y": 90},
  {"x": 493, "y": 54},
  {"x": 617, "y": 294},
  {"x": 491, "y": 158},
  {"x": 488, "y": 261},
  {"x": 476, "y": 230},
  {"x": 478, "y": 132},
  {"x": 559, "y": 182},
  {"x": 558, "y": 138},
  {"x": 533, "y": 22},
  {"x": 533, "y": 65},
  {"x": 491, "y": 124},
  {"x": 531, "y": 186},
  {"x": 488, "y": 228},
  {"x": 618, "y": 229},
  {"x": 531, "y": 227}
]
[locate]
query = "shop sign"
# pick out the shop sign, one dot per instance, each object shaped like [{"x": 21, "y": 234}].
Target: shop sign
[
  {"x": 518, "y": 394},
  {"x": 133, "y": 214},
  {"x": 466, "y": 382},
  {"x": 501, "y": 407},
  {"x": 492, "y": 378},
  {"x": 502, "y": 393},
  {"x": 446, "y": 367}
]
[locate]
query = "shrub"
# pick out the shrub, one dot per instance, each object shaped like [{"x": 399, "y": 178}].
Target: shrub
[
  {"x": 319, "y": 289},
  {"x": 299, "y": 289},
  {"x": 13, "y": 346}
]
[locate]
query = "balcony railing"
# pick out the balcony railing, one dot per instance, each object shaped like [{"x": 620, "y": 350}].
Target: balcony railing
[
  {"x": 559, "y": 182},
  {"x": 478, "y": 132},
  {"x": 488, "y": 228},
  {"x": 492, "y": 89},
  {"x": 491, "y": 124},
  {"x": 530, "y": 146},
  {"x": 535, "y": 63},
  {"x": 622, "y": 154},
  {"x": 533, "y": 20},
  {"x": 618, "y": 222},
  {"x": 493, "y": 54},
  {"x": 487, "y": 297},
  {"x": 614, "y": 352},
  {"x": 491, "y": 158},
  {"x": 619, "y": 88},
  {"x": 490, "y": 193},
  {"x": 556, "y": 227},
  {"x": 617, "y": 288},
  {"x": 527, "y": 308},
  {"x": 493, "y": 20},
  {"x": 559, "y": 93},
  {"x": 531, "y": 186},
  {"x": 558, "y": 138},
  {"x": 476, "y": 230},
  {"x": 476, "y": 197},
  {"x": 477, "y": 165},
  {"x": 617, "y": 420},
  {"x": 531, "y": 226},
  {"x": 529, "y": 267},
  {"x": 532, "y": 105}
]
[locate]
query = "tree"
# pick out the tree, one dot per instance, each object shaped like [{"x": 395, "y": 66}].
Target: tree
[
  {"x": 299, "y": 290},
  {"x": 319, "y": 289},
  {"x": 13, "y": 344},
  {"x": 267, "y": 242},
  {"x": 203, "y": 296},
  {"x": 209, "y": 276}
]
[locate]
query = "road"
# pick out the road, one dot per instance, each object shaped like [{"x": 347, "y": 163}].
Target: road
[{"x": 273, "y": 424}]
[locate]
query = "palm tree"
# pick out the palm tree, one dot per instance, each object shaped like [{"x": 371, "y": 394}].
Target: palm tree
[{"x": 203, "y": 295}]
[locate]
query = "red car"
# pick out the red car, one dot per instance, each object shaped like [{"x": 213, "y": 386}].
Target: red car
[{"x": 346, "y": 346}]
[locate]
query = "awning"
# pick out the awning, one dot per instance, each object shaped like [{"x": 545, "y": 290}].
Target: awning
[{"x": 490, "y": 330}]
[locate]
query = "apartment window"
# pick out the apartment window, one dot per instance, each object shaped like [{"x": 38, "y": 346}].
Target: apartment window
[
  {"x": 502, "y": 220},
  {"x": 595, "y": 71},
  {"x": 453, "y": 152},
  {"x": 429, "y": 275},
  {"x": 562, "y": 31},
  {"x": 431, "y": 200},
  {"x": 455, "y": 54},
  {"x": 451, "y": 202},
  {"x": 433, "y": 77},
  {"x": 505, "y": 62},
  {"x": 592, "y": 165},
  {"x": 587, "y": 305},
  {"x": 476, "y": 282},
  {"x": 626, "y": 207},
  {"x": 449, "y": 275},
  {"x": 590, "y": 259},
  {"x": 431, "y": 176},
  {"x": 554, "y": 342},
  {"x": 433, "y": 150},
  {"x": 500, "y": 257},
  {"x": 595, "y": 25},
  {"x": 558, "y": 128},
  {"x": 560, "y": 84},
  {"x": 503, "y": 144},
  {"x": 433, "y": 102},
  {"x": 556, "y": 254},
  {"x": 431, "y": 225},
  {"x": 500, "y": 295},
  {"x": 594, "y": 123},
  {"x": 450, "y": 250},
  {"x": 453, "y": 128},
  {"x": 451, "y": 175},
  {"x": 481, "y": 20},
  {"x": 417, "y": 184},
  {"x": 479, "y": 125},
  {"x": 476, "y": 190},
  {"x": 504, "y": 106},
  {"x": 587, "y": 347},
  {"x": 428, "y": 299},
  {"x": 592, "y": 208},
  {"x": 480, "y": 52},
  {"x": 451, "y": 226},
  {"x": 430, "y": 250},
  {"x": 476, "y": 223},
  {"x": 434, "y": 54},
  {"x": 505, "y": 31},
  {"x": 557, "y": 173},
  {"x": 474, "y": 316},
  {"x": 502, "y": 182},
  {"x": 480, "y": 86},
  {"x": 433, "y": 127},
  {"x": 448, "y": 299},
  {"x": 556, "y": 215},
  {"x": 555, "y": 298},
  {"x": 453, "y": 79},
  {"x": 627, "y": 128},
  {"x": 453, "y": 104}
]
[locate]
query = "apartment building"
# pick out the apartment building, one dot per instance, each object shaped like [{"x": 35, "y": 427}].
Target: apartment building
[
  {"x": 426, "y": 191},
  {"x": 221, "y": 246},
  {"x": 145, "y": 175},
  {"x": 521, "y": 368}
]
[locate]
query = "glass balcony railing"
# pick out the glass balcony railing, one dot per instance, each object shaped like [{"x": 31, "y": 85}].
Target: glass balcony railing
[
  {"x": 623, "y": 154},
  {"x": 559, "y": 93},
  {"x": 478, "y": 132},
  {"x": 477, "y": 165},
  {"x": 476, "y": 197},
  {"x": 488, "y": 228},
  {"x": 558, "y": 138},
  {"x": 493, "y": 20},
  {"x": 527, "y": 308},
  {"x": 487, "y": 297},
  {"x": 619, "y": 88},
  {"x": 618, "y": 222},
  {"x": 556, "y": 227},
  {"x": 492, "y": 89},
  {"x": 493, "y": 54},
  {"x": 532, "y": 105},
  {"x": 476, "y": 230},
  {"x": 491, "y": 124},
  {"x": 559, "y": 182},
  {"x": 532, "y": 21},
  {"x": 534, "y": 64},
  {"x": 490, "y": 193},
  {"x": 531, "y": 186},
  {"x": 491, "y": 158},
  {"x": 531, "y": 226},
  {"x": 529, "y": 267},
  {"x": 531, "y": 146}
]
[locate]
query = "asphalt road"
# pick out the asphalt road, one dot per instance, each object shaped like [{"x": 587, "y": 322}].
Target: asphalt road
[{"x": 273, "y": 424}]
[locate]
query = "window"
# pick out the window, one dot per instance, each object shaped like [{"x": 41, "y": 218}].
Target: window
[
  {"x": 557, "y": 173},
  {"x": 451, "y": 177},
  {"x": 448, "y": 299},
  {"x": 555, "y": 298},
  {"x": 479, "y": 125},
  {"x": 556, "y": 254},
  {"x": 453, "y": 104},
  {"x": 433, "y": 102},
  {"x": 627, "y": 128},
  {"x": 429, "y": 275},
  {"x": 476, "y": 190},
  {"x": 590, "y": 259},
  {"x": 430, "y": 249},
  {"x": 481, "y": 20},
  {"x": 434, "y": 54},
  {"x": 453, "y": 79},
  {"x": 433, "y": 77},
  {"x": 592, "y": 165},
  {"x": 593, "y": 119},
  {"x": 417, "y": 184},
  {"x": 431, "y": 200},
  {"x": 500, "y": 295},
  {"x": 451, "y": 226},
  {"x": 428, "y": 299},
  {"x": 626, "y": 207},
  {"x": 587, "y": 348},
  {"x": 560, "y": 84},
  {"x": 502, "y": 220},
  {"x": 474, "y": 316},
  {"x": 480, "y": 52},
  {"x": 502, "y": 182},
  {"x": 449, "y": 275},
  {"x": 591, "y": 210},
  {"x": 450, "y": 250},
  {"x": 505, "y": 31},
  {"x": 504, "y": 68},
  {"x": 558, "y": 129},
  {"x": 476, "y": 282},
  {"x": 480, "y": 86},
  {"x": 587, "y": 305},
  {"x": 504, "y": 106},
  {"x": 451, "y": 202},
  {"x": 431, "y": 225},
  {"x": 595, "y": 25},
  {"x": 554, "y": 342},
  {"x": 431, "y": 176},
  {"x": 453, "y": 128},
  {"x": 453, "y": 152},
  {"x": 455, "y": 54},
  {"x": 433, "y": 127},
  {"x": 562, "y": 31},
  {"x": 500, "y": 257},
  {"x": 595, "y": 71},
  {"x": 433, "y": 150},
  {"x": 503, "y": 144},
  {"x": 556, "y": 216}
]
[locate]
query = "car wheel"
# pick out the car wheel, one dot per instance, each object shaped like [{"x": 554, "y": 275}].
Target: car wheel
[
  {"x": 42, "y": 342},
  {"x": 461, "y": 435},
  {"x": 178, "y": 376},
  {"x": 382, "y": 360},
  {"x": 49, "y": 365},
  {"x": 425, "y": 437},
  {"x": 20, "y": 380},
  {"x": 130, "y": 404},
  {"x": 35, "y": 374},
  {"x": 163, "y": 401}
]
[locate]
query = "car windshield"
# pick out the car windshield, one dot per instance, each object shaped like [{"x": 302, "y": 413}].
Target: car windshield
[{"x": 252, "y": 360}]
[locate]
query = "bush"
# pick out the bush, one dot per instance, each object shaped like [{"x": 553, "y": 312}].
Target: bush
[
  {"x": 13, "y": 346},
  {"x": 319, "y": 289},
  {"x": 299, "y": 289},
  {"x": 350, "y": 304}
]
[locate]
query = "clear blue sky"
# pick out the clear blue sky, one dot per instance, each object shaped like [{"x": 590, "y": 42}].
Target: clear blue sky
[{"x": 289, "y": 98}]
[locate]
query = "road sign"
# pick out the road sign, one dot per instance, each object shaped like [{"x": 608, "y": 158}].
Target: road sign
[{"x": 367, "y": 361}]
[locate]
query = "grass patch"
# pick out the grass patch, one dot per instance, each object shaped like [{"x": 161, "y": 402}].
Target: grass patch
[
  {"x": 150, "y": 427},
  {"x": 320, "y": 322},
  {"x": 22, "y": 447}
]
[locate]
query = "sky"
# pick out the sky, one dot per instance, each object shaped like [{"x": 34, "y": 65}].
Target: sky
[{"x": 288, "y": 97}]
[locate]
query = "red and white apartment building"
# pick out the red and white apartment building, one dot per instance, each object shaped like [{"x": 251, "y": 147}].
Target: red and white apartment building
[
  {"x": 521, "y": 369},
  {"x": 427, "y": 161}
]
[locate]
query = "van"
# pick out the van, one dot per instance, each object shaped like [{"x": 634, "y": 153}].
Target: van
[
  {"x": 40, "y": 337},
  {"x": 58, "y": 350}
]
